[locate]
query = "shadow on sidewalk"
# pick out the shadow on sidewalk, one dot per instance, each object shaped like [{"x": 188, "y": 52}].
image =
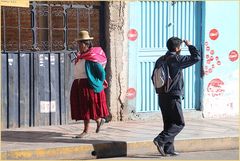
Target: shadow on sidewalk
[{"x": 102, "y": 148}]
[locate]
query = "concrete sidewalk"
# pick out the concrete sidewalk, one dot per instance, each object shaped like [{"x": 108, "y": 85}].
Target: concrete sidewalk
[{"x": 115, "y": 139}]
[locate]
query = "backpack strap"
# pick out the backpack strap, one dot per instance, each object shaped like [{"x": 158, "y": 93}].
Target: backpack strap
[{"x": 174, "y": 82}]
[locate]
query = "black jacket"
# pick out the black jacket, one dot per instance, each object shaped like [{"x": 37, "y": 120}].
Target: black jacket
[{"x": 176, "y": 64}]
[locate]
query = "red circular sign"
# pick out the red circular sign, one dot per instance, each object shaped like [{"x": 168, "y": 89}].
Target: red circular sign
[
  {"x": 213, "y": 34},
  {"x": 233, "y": 55},
  {"x": 216, "y": 57},
  {"x": 132, "y": 34},
  {"x": 131, "y": 93}
]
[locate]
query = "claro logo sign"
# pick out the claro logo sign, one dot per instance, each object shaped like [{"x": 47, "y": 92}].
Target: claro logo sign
[
  {"x": 233, "y": 55},
  {"x": 213, "y": 34}
]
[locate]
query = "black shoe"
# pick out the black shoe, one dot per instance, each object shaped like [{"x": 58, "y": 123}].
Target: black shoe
[
  {"x": 159, "y": 147},
  {"x": 172, "y": 154}
]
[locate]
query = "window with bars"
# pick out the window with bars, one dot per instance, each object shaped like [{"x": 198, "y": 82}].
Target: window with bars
[{"x": 49, "y": 26}]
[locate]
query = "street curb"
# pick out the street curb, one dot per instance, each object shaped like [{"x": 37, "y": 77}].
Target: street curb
[
  {"x": 81, "y": 151},
  {"x": 119, "y": 149},
  {"x": 187, "y": 145}
]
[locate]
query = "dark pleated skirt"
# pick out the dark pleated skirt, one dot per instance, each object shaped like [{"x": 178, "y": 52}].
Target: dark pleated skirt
[{"x": 85, "y": 103}]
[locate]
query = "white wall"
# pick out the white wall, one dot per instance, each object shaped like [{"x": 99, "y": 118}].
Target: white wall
[{"x": 221, "y": 79}]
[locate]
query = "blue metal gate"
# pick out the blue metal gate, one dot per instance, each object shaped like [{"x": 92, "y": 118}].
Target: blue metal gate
[{"x": 156, "y": 22}]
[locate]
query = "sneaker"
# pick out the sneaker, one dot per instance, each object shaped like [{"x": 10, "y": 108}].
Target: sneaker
[{"x": 159, "y": 147}]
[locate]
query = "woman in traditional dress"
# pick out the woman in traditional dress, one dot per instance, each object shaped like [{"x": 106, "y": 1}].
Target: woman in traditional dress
[{"x": 87, "y": 97}]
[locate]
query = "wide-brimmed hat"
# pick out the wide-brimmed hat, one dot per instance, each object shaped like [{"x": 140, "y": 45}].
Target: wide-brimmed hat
[{"x": 83, "y": 35}]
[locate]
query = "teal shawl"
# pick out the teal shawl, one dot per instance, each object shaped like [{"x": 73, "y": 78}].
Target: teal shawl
[{"x": 96, "y": 75}]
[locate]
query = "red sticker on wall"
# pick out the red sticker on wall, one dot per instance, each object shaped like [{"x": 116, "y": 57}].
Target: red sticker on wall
[
  {"x": 213, "y": 34},
  {"x": 233, "y": 55},
  {"x": 131, "y": 93},
  {"x": 211, "y": 58},
  {"x": 215, "y": 87},
  {"x": 132, "y": 34},
  {"x": 212, "y": 52},
  {"x": 218, "y": 62},
  {"x": 207, "y": 56},
  {"x": 208, "y": 48}
]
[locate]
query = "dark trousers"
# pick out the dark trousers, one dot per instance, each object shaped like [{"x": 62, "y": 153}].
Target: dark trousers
[{"x": 172, "y": 119}]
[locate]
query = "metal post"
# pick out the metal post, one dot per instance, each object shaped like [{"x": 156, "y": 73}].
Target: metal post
[
  {"x": 34, "y": 24},
  {"x": 50, "y": 27},
  {"x": 4, "y": 29},
  {"x": 65, "y": 26},
  {"x": 18, "y": 56}
]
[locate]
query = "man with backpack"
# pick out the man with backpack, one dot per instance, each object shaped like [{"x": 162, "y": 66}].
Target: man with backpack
[{"x": 170, "y": 94}]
